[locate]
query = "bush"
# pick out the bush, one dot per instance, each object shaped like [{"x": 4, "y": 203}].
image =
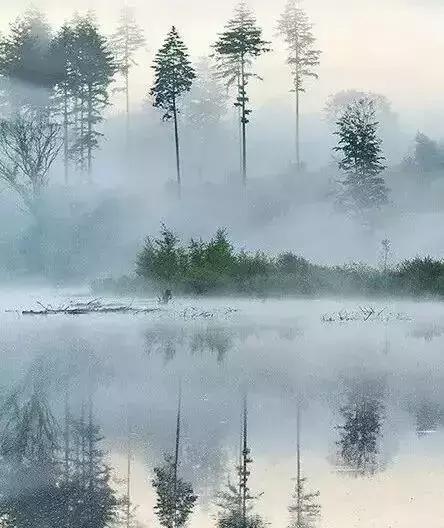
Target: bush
[{"x": 215, "y": 267}]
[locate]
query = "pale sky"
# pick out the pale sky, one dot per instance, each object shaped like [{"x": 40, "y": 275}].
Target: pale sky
[{"x": 393, "y": 47}]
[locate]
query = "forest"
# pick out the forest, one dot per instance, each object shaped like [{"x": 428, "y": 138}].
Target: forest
[{"x": 70, "y": 214}]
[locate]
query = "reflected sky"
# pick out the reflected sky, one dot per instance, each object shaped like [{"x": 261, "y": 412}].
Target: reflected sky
[{"x": 281, "y": 353}]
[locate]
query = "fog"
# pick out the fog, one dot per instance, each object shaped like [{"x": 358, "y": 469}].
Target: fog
[{"x": 243, "y": 319}]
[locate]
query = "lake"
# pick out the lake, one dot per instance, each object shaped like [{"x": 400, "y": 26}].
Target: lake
[{"x": 366, "y": 376}]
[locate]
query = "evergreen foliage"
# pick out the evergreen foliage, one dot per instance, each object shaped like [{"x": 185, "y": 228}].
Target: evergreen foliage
[
  {"x": 296, "y": 30},
  {"x": 175, "y": 497},
  {"x": 235, "y": 49},
  {"x": 174, "y": 77},
  {"x": 361, "y": 159}
]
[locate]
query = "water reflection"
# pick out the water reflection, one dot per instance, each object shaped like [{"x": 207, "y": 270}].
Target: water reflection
[
  {"x": 360, "y": 432},
  {"x": 367, "y": 389}
]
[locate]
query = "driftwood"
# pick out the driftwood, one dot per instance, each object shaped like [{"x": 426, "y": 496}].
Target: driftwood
[
  {"x": 367, "y": 313},
  {"x": 92, "y": 307}
]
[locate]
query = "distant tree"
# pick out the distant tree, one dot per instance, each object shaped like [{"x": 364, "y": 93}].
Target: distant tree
[
  {"x": 174, "y": 77},
  {"x": 93, "y": 502},
  {"x": 29, "y": 145},
  {"x": 363, "y": 189},
  {"x": 428, "y": 154},
  {"x": 24, "y": 62},
  {"x": 236, "y": 503},
  {"x": 338, "y": 103},
  {"x": 63, "y": 59},
  {"x": 235, "y": 49},
  {"x": 93, "y": 70},
  {"x": 360, "y": 432},
  {"x": 126, "y": 41},
  {"x": 175, "y": 497},
  {"x": 296, "y": 29},
  {"x": 29, "y": 466},
  {"x": 304, "y": 510},
  {"x": 205, "y": 106}
]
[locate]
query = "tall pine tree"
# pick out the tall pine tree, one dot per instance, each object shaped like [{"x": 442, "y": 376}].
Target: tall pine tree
[
  {"x": 93, "y": 72},
  {"x": 296, "y": 29},
  {"x": 174, "y": 76},
  {"x": 126, "y": 41},
  {"x": 175, "y": 496},
  {"x": 363, "y": 188},
  {"x": 235, "y": 49}
]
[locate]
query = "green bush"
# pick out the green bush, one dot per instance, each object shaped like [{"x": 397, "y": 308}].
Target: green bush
[{"x": 215, "y": 267}]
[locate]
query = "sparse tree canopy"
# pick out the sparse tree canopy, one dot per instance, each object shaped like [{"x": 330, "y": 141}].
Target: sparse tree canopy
[
  {"x": 235, "y": 49},
  {"x": 126, "y": 42},
  {"x": 29, "y": 145},
  {"x": 361, "y": 158},
  {"x": 338, "y": 103},
  {"x": 174, "y": 76},
  {"x": 296, "y": 30}
]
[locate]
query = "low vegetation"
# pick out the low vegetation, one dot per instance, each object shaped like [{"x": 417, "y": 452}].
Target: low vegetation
[{"x": 215, "y": 267}]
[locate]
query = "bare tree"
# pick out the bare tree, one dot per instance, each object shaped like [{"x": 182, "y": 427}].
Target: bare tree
[{"x": 29, "y": 145}]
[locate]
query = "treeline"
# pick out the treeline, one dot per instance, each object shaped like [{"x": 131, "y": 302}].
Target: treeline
[
  {"x": 57, "y": 474},
  {"x": 215, "y": 267},
  {"x": 55, "y": 87}
]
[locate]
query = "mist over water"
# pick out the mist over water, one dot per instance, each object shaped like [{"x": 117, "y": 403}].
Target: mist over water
[{"x": 282, "y": 353}]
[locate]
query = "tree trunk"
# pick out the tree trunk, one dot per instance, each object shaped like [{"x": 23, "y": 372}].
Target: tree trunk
[
  {"x": 66, "y": 136},
  {"x": 298, "y": 470},
  {"x": 89, "y": 145},
  {"x": 176, "y": 453},
  {"x": 176, "y": 139},
  {"x": 128, "y": 481},
  {"x": 298, "y": 153},
  {"x": 245, "y": 466},
  {"x": 244, "y": 124}
]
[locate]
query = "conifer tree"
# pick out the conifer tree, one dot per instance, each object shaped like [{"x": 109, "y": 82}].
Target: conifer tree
[
  {"x": 360, "y": 432},
  {"x": 24, "y": 62},
  {"x": 175, "y": 496},
  {"x": 236, "y": 47},
  {"x": 363, "y": 188},
  {"x": 205, "y": 106},
  {"x": 236, "y": 502},
  {"x": 29, "y": 466},
  {"x": 62, "y": 55},
  {"x": 304, "y": 510},
  {"x": 93, "y": 71},
  {"x": 93, "y": 502},
  {"x": 126, "y": 41},
  {"x": 296, "y": 29},
  {"x": 174, "y": 77}
]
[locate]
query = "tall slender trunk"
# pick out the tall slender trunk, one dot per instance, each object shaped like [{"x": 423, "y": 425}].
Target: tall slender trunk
[
  {"x": 127, "y": 94},
  {"x": 176, "y": 140},
  {"x": 244, "y": 123},
  {"x": 298, "y": 469},
  {"x": 89, "y": 143},
  {"x": 128, "y": 479},
  {"x": 127, "y": 110},
  {"x": 66, "y": 135},
  {"x": 176, "y": 453},
  {"x": 67, "y": 452},
  {"x": 245, "y": 453},
  {"x": 297, "y": 136}
]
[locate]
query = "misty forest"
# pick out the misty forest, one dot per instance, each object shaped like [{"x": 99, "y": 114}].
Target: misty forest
[{"x": 221, "y": 292}]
